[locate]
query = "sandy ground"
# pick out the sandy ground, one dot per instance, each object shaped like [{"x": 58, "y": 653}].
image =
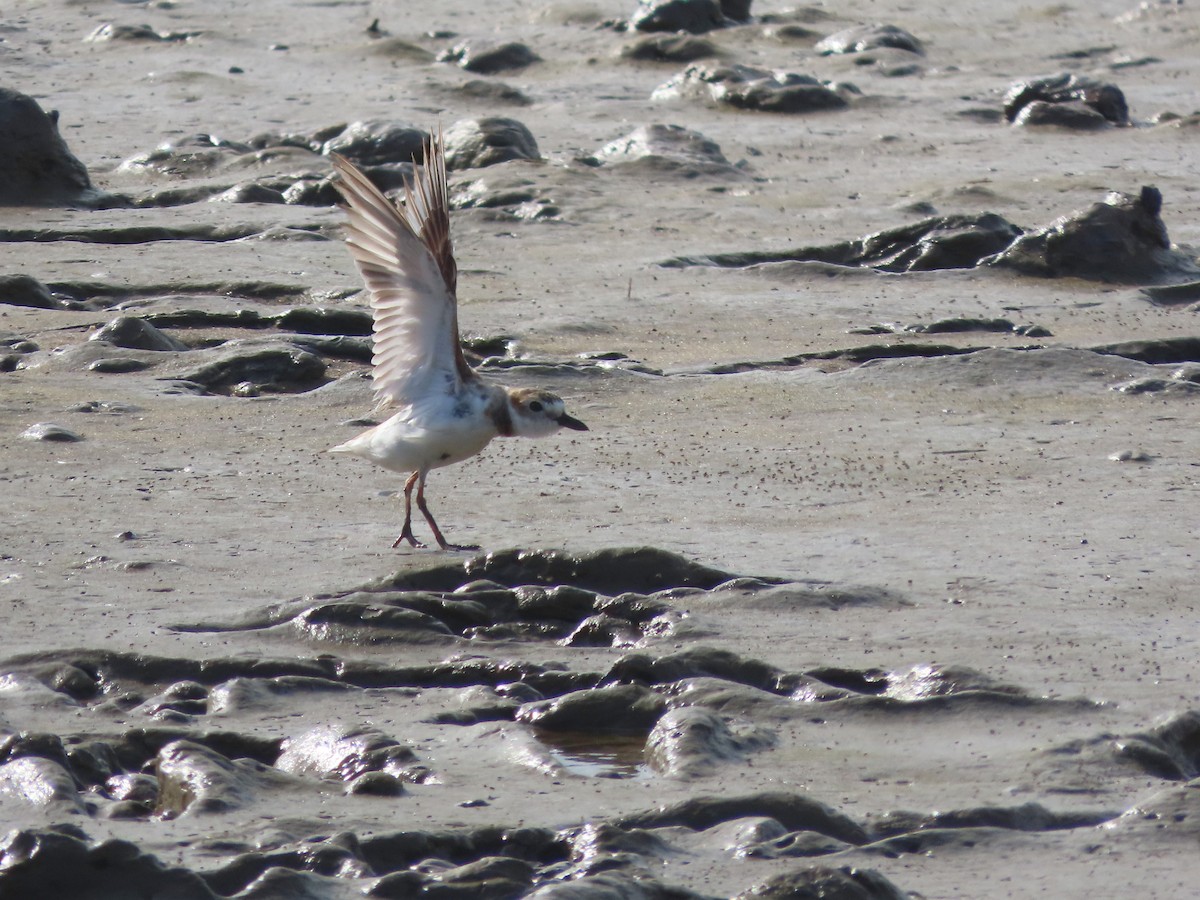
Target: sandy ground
[{"x": 979, "y": 488}]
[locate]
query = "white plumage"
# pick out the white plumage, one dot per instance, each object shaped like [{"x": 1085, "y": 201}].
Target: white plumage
[{"x": 446, "y": 412}]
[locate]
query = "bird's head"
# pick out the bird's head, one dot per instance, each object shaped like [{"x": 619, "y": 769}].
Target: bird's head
[{"x": 539, "y": 413}]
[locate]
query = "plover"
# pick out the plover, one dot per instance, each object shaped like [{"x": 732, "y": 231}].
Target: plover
[{"x": 447, "y": 413}]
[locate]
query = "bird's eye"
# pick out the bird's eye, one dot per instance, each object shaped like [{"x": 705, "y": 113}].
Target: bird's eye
[{"x": 535, "y": 406}]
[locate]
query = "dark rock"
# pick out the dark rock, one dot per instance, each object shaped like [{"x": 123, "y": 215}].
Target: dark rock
[
  {"x": 1189, "y": 372},
  {"x": 251, "y": 192},
  {"x": 186, "y": 696},
  {"x": 176, "y": 196},
  {"x": 118, "y": 365},
  {"x": 793, "y": 844},
  {"x": 116, "y": 293},
  {"x": 488, "y": 59},
  {"x": 1156, "y": 352},
  {"x": 489, "y": 878},
  {"x": 736, "y": 10},
  {"x": 38, "y": 744},
  {"x": 378, "y": 614},
  {"x": 132, "y": 234},
  {"x": 869, "y": 37},
  {"x": 922, "y": 682},
  {"x": 1174, "y": 294},
  {"x": 496, "y": 193},
  {"x": 562, "y": 603},
  {"x": 36, "y": 168},
  {"x": 47, "y": 431},
  {"x": 195, "y": 779},
  {"x": 51, "y": 863},
  {"x": 400, "y": 885},
  {"x": 634, "y": 607},
  {"x": 280, "y": 883},
  {"x": 844, "y": 883},
  {"x": 602, "y": 631},
  {"x": 18, "y": 344},
  {"x": 376, "y": 784},
  {"x": 796, "y": 812},
  {"x": 459, "y": 613},
  {"x": 668, "y": 148},
  {"x": 491, "y": 92},
  {"x": 279, "y": 141},
  {"x": 377, "y": 142},
  {"x": 942, "y": 242},
  {"x": 697, "y": 662},
  {"x": 790, "y": 33},
  {"x": 328, "y": 671},
  {"x": 891, "y": 69},
  {"x": 1172, "y": 750},
  {"x": 197, "y": 155},
  {"x": 597, "y": 839},
  {"x": 1105, "y": 100},
  {"x": 1077, "y": 116},
  {"x": 136, "y": 334},
  {"x": 475, "y": 143},
  {"x": 670, "y": 48},
  {"x": 257, "y": 693},
  {"x": 956, "y": 325},
  {"x": 689, "y": 742},
  {"x": 24, "y": 290},
  {"x": 73, "y": 681},
  {"x": 692, "y": 16},
  {"x": 1026, "y": 817},
  {"x": 1167, "y": 818},
  {"x": 946, "y": 242},
  {"x": 138, "y": 788},
  {"x": 312, "y": 192},
  {"x": 125, "y": 809},
  {"x": 625, "y": 708},
  {"x": 333, "y": 346},
  {"x": 344, "y": 754},
  {"x": 960, "y": 324},
  {"x": 610, "y": 571},
  {"x": 41, "y": 783},
  {"x": 325, "y": 320},
  {"x": 1121, "y": 240},
  {"x": 743, "y": 87},
  {"x": 274, "y": 366},
  {"x": 108, "y": 667},
  {"x": 613, "y": 886},
  {"x": 391, "y": 852},
  {"x": 507, "y": 196},
  {"x": 367, "y": 625}
]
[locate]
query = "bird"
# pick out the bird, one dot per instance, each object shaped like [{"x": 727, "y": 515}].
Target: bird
[{"x": 446, "y": 412}]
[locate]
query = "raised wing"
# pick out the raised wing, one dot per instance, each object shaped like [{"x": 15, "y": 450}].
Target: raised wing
[{"x": 407, "y": 264}]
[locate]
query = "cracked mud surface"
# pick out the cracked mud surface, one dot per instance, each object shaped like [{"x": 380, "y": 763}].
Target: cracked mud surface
[{"x": 863, "y": 582}]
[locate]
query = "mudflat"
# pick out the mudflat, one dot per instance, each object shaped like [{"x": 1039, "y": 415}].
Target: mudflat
[{"x": 875, "y": 573}]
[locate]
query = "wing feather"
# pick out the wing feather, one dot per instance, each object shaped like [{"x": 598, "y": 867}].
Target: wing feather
[{"x": 406, "y": 260}]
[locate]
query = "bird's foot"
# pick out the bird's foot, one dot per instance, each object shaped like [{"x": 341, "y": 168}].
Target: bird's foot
[{"x": 407, "y": 535}]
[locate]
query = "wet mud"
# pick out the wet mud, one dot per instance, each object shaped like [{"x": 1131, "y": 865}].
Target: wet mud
[{"x": 873, "y": 575}]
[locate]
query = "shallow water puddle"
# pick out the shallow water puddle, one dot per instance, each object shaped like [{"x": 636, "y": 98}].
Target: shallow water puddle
[{"x": 597, "y": 755}]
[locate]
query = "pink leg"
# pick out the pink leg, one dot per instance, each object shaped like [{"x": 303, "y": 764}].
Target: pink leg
[
  {"x": 437, "y": 532},
  {"x": 406, "y": 533}
]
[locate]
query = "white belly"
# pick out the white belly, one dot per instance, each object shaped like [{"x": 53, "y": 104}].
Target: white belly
[{"x": 400, "y": 445}]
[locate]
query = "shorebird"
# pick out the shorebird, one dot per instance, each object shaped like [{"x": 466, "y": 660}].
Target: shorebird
[{"x": 447, "y": 413}]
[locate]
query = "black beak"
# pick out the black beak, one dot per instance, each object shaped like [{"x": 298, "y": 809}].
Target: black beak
[{"x": 568, "y": 422}]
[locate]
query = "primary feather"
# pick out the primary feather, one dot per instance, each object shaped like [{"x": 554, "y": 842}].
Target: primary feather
[{"x": 406, "y": 260}]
